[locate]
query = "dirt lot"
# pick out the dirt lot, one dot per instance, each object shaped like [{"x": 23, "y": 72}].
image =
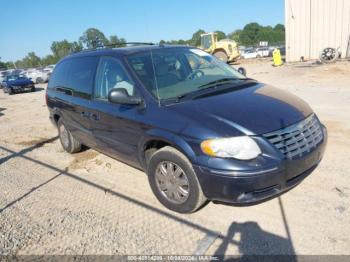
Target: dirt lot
[{"x": 55, "y": 203}]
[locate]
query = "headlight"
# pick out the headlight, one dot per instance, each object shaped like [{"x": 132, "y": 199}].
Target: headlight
[{"x": 241, "y": 147}]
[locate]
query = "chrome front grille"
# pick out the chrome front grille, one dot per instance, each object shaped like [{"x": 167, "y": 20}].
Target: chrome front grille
[{"x": 295, "y": 140}]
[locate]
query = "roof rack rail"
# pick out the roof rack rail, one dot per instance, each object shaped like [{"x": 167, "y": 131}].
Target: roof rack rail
[
  {"x": 131, "y": 43},
  {"x": 121, "y": 44}
]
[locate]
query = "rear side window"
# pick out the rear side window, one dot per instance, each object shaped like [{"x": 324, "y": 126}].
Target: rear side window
[
  {"x": 75, "y": 76},
  {"x": 81, "y": 76},
  {"x": 58, "y": 78}
]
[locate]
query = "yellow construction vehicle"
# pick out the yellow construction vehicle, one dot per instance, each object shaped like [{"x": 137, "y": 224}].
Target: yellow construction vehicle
[{"x": 225, "y": 49}]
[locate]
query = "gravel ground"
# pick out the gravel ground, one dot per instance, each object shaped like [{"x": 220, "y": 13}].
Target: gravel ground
[{"x": 87, "y": 203}]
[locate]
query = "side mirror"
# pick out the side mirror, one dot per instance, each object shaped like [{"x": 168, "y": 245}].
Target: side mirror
[
  {"x": 121, "y": 96},
  {"x": 242, "y": 71}
]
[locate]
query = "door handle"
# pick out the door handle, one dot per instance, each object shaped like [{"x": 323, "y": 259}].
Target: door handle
[{"x": 95, "y": 117}]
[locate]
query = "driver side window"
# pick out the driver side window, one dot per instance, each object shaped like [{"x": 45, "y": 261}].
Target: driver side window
[{"x": 111, "y": 74}]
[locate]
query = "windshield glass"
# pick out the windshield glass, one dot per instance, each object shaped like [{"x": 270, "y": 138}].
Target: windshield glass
[
  {"x": 172, "y": 72},
  {"x": 15, "y": 77},
  {"x": 12, "y": 77},
  {"x": 206, "y": 41}
]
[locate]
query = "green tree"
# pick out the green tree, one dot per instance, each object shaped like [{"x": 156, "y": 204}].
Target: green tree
[
  {"x": 221, "y": 35},
  {"x": 115, "y": 41},
  {"x": 93, "y": 38},
  {"x": 249, "y": 35},
  {"x": 49, "y": 60},
  {"x": 10, "y": 65},
  {"x": 181, "y": 42},
  {"x": 279, "y": 27},
  {"x": 196, "y": 38},
  {"x": 63, "y": 48},
  {"x": 235, "y": 36},
  {"x": 253, "y": 33},
  {"x": 31, "y": 60},
  {"x": 3, "y": 65},
  {"x": 76, "y": 46}
]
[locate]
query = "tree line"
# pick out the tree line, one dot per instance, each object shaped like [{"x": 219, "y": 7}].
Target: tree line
[
  {"x": 250, "y": 35},
  {"x": 92, "y": 38}
]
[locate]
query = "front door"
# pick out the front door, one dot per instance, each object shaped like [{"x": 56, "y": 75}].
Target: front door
[{"x": 114, "y": 126}]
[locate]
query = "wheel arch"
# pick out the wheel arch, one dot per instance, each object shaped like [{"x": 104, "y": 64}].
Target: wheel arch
[
  {"x": 156, "y": 139},
  {"x": 220, "y": 49},
  {"x": 55, "y": 115}
]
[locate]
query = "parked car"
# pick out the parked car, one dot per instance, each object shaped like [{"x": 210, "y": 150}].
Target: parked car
[
  {"x": 262, "y": 51},
  {"x": 16, "y": 71},
  {"x": 249, "y": 53},
  {"x": 282, "y": 50},
  {"x": 201, "y": 131},
  {"x": 3, "y": 75},
  {"x": 49, "y": 68},
  {"x": 38, "y": 75},
  {"x": 16, "y": 84}
]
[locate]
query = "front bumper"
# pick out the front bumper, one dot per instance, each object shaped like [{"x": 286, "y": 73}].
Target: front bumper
[
  {"x": 238, "y": 187},
  {"x": 18, "y": 88}
]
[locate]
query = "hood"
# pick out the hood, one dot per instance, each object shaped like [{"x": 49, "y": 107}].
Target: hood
[{"x": 257, "y": 109}]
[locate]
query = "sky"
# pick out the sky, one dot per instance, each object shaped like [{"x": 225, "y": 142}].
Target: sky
[{"x": 28, "y": 26}]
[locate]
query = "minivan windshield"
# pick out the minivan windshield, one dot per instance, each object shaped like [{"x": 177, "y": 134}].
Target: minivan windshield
[{"x": 174, "y": 72}]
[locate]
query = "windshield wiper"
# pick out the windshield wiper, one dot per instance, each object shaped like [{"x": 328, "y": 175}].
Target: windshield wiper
[
  {"x": 209, "y": 85},
  {"x": 222, "y": 81}
]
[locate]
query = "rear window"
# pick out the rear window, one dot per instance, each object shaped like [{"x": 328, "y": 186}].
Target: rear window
[
  {"x": 59, "y": 76},
  {"x": 75, "y": 75}
]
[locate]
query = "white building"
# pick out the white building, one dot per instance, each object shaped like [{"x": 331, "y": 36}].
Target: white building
[{"x": 312, "y": 25}]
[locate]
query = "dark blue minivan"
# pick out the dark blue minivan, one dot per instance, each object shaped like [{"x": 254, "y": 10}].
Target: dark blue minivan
[{"x": 198, "y": 128}]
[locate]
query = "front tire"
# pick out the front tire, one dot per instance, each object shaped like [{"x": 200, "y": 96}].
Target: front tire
[
  {"x": 174, "y": 182},
  {"x": 68, "y": 142},
  {"x": 32, "y": 89},
  {"x": 221, "y": 55}
]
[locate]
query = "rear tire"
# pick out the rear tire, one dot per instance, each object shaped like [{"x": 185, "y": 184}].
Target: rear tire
[
  {"x": 221, "y": 55},
  {"x": 39, "y": 80},
  {"x": 10, "y": 91},
  {"x": 166, "y": 186},
  {"x": 68, "y": 142},
  {"x": 32, "y": 89}
]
